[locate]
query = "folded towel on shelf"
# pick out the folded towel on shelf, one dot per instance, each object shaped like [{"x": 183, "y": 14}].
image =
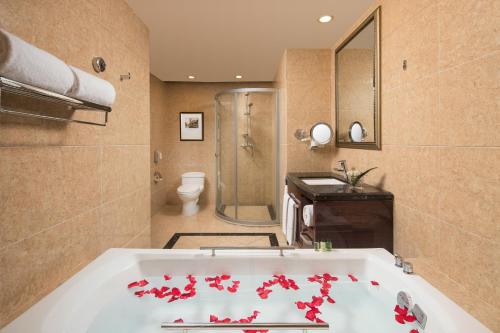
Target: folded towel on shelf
[
  {"x": 307, "y": 215},
  {"x": 92, "y": 89},
  {"x": 25, "y": 63}
]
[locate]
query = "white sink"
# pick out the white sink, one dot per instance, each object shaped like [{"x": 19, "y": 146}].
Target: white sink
[{"x": 322, "y": 181}]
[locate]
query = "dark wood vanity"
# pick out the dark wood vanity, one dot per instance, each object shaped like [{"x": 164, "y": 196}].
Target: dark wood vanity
[{"x": 350, "y": 218}]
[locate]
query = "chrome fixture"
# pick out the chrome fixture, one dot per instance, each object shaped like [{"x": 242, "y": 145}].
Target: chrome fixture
[
  {"x": 420, "y": 316},
  {"x": 98, "y": 64},
  {"x": 157, "y": 177},
  {"x": 343, "y": 168},
  {"x": 404, "y": 300},
  {"x": 248, "y": 144},
  {"x": 301, "y": 135},
  {"x": 398, "y": 260},
  {"x": 319, "y": 135},
  {"x": 11, "y": 87},
  {"x": 407, "y": 267},
  {"x": 158, "y": 156},
  {"x": 357, "y": 133},
  {"x": 244, "y": 326},
  {"x": 227, "y": 248}
]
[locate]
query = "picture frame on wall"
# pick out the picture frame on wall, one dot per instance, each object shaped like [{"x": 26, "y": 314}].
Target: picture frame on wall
[{"x": 191, "y": 126}]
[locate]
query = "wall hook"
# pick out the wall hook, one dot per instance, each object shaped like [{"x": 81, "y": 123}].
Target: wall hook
[
  {"x": 99, "y": 64},
  {"x": 124, "y": 77}
]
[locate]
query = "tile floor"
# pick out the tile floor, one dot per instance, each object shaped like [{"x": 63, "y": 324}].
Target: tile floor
[
  {"x": 249, "y": 212},
  {"x": 170, "y": 220}
]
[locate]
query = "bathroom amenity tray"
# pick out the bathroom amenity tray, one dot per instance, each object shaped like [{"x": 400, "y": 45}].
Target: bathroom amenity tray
[{"x": 12, "y": 87}]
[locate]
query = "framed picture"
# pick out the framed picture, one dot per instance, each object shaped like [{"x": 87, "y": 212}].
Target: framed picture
[{"x": 191, "y": 126}]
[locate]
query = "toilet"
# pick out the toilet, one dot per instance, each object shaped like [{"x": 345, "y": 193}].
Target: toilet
[{"x": 192, "y": 185}]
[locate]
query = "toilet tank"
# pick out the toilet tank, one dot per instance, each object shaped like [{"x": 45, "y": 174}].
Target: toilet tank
[{"x": 194, "y": 178}]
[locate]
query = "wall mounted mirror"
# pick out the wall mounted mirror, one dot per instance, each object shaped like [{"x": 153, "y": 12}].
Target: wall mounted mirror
[
  {"x": 357, "y": 87},
  {"x": 321, "y": 133}
]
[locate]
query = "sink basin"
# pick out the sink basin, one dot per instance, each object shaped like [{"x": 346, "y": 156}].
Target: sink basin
[{"x": 322, "y": 181}]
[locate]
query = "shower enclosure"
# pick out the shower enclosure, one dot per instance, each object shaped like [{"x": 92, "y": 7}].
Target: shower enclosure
[{"x": 247, "y": 135}]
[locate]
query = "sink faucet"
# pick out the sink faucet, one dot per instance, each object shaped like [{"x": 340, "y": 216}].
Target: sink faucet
[{"x": 343, "y": 168}]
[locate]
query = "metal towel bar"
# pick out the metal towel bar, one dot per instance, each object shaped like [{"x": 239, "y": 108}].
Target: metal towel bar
[
  {"x": 226, "y": 248},
  {"x": 244, "y": 326},
  {"x": 17, "y": 88}
]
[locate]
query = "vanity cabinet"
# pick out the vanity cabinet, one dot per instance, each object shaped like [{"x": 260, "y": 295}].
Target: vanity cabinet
[{"x": 350, "y": 218}]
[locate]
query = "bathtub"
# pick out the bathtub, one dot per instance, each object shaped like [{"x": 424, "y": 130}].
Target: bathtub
[{"x": 109, "y": 294}]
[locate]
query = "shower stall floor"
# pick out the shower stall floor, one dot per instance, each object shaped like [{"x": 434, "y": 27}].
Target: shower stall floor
[{"x": 260, "y": 213}]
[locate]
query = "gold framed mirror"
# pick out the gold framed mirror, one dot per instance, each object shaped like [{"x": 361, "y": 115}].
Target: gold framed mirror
[{"x": 357, "y": 86}]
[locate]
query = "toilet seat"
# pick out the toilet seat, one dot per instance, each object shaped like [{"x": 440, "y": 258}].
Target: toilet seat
[{"x": 188, "y": 188}]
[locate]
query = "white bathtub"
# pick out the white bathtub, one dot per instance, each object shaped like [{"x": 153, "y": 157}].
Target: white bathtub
[{"x": 97, "y": 298}]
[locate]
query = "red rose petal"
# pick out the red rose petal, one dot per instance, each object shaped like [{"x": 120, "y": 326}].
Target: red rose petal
[
  {"x": 319, "y": 321},
  {"x": 414, "y": 331},
  {"x": 311, "y": 315},
  {"x": 316, "y": 301},
  {"x": 213, "y": 318},
  {"x": 300, "y": 305},
  {"x": 133, "y": 284},
  {"x": 167, "y": 277},
  {"x": 330, "y": 300},
  {"x": 225, "y": 277},
  {"x": 353, "y": 278},
  {"x": 231, "y": 289},
  {"x": 401, "y": 311},
  {"x": 400, "y": 319},
  {"x": 374, "y": 283},
  {"x": 236, "y": 282},
  {"x": 410, "y": 318},
  {"x": 178, "y": 320}
]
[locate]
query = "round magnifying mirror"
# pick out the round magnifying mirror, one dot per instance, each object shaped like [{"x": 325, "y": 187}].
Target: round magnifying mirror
[
  {"x": 321, "y": 133},
  {"x": 357, "y": 132}
]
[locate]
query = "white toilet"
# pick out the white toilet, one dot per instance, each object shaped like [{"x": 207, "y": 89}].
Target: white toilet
[{"x": 193, "y": 184}]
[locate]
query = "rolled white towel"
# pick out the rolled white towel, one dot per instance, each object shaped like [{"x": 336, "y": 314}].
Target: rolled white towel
[
  {"x": 307, "y": 215},
  {"x": 23, "y": 62},
  {"x": 89, "y": 88}
]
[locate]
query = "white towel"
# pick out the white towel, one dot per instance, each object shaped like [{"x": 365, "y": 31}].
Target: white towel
[
  {"x": 291, "y": 222},
  {"x": 25, "y": 63},
  {"x": 284, "y": 210},
  {"x": 289, "y": 217},
  {"x": 90, "y": 88},
  {"x": 307, "y": 214}
]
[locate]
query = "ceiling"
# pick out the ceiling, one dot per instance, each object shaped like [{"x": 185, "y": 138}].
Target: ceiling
[{"x": 215, "y": 40}]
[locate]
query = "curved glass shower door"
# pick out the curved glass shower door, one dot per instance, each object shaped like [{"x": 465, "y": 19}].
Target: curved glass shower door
[{"x": 246, "y": 155}]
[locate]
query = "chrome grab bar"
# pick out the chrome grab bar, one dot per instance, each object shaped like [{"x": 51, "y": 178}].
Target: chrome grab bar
[
  {"x": 244, "y": 326},
  {"x": 225, "y": 248}
]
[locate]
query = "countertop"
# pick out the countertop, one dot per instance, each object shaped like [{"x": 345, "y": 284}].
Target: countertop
[{"x": 335, "y": 192}]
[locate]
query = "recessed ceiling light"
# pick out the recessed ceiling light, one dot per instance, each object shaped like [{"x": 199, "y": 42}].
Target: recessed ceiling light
[
  {"x": 325, "y": 19},
  {"x": 191, "y": 77},
  {"x": 239, "y": 76}
]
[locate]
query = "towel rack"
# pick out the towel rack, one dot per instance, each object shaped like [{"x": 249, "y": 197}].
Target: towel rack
[{"x": 17, "y": 88}]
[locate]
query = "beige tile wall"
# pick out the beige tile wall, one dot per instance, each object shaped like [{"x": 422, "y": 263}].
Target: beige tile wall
[
  {"x": 303, "y": 79},
  {"x": 168, "y": 99},
  {"x": 441, "y": 144},
  {"x": 69, "y": 192}
]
